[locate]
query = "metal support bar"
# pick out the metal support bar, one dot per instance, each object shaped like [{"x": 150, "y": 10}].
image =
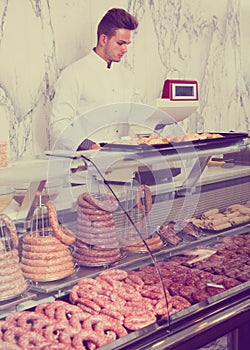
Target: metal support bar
[{"x": 30, "y": 201}]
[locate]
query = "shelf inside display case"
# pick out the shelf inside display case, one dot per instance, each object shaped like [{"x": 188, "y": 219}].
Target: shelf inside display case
[{"x": 15, "y": 301}]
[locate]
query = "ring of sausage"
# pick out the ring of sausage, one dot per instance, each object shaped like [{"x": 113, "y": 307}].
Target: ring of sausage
[
  {"x": 52, "y": 262},
  {"x": 47, "y": 269},
  {"x": 85, "y": 336},
  {"x": 8, "y": 262},
  {"x": 45, "y": 256},
  {"x": 85, "y": 204},
  {"x": 134, "y": 322},
  {"x": 39, "y": 240},
  {"x": 102, "y": 201},
  {"x": 8, "y": 255},
  {"x": 44, "y": 248},
  {"x": 96, "y": 230},
  {"x": 96, "y": 217},
  {"x": 49, "y": 276},
  {"x": 89, "y": 211}
]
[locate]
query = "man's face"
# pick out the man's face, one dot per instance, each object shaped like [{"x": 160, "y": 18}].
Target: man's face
[{"x": 116, "y": 46}]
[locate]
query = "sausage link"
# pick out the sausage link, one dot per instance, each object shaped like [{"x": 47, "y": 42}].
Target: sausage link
[
  {"x": 46, "y": 269},
  {"x": 63, "y": 234}
]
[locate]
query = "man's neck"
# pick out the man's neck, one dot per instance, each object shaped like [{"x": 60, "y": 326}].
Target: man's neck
[{"x": 99, "y": 52}]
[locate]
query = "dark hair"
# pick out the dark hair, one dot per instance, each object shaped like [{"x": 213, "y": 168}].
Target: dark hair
[{"x": 116, "y": 18}]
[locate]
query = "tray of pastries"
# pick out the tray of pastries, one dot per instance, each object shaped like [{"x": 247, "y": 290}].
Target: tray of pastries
[{"x": 171, "y": 142}]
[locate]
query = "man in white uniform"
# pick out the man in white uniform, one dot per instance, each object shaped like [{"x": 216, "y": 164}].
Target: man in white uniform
[{"x": 93, "y": 81}]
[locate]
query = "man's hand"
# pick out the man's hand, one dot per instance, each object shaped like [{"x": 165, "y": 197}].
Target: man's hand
[
  {"x": 95, "y": 146},
  {"x": 88, "y": 144}
]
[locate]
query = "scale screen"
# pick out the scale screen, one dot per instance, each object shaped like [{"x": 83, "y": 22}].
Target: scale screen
[{"x": 180, "y": 90}]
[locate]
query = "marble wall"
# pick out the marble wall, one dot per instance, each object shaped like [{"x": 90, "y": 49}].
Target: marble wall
[{"x": 203, "y": 40}]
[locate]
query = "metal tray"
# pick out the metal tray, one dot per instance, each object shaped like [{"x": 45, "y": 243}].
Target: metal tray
[
  {"x": 144, "y": 250},
  {"x": 228, "y": 139},
  {"x": 228, "y": 229},
  {"x": 102, "y": 263}
]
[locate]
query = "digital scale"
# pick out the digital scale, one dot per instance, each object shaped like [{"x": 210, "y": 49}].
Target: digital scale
[{"x": 179, "y": 99}]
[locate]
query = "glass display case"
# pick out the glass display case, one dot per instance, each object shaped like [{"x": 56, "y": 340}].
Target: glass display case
[{"x": 180, "y": 278}]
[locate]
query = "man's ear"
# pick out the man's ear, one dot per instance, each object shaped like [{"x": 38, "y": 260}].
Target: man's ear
[{"x": 103, "y": 39}]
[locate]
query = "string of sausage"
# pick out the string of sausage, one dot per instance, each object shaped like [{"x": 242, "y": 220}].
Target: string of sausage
[
  {"x": 147, "y": 198},
  {"x": 64, "y": 235}
]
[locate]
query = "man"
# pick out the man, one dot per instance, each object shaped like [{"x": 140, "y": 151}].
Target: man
[{"x": 95, "y": 80}]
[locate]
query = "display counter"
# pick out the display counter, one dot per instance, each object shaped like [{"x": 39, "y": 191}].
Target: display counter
[{"x": 226, "y": 311}]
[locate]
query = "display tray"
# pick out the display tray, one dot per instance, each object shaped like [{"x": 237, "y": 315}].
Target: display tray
[
  {"x": 102, "y": 263},
  {"x": 228, "y": 229},
  {"x": 144, "y": 250},
  {"x": 228, "y": 139}
]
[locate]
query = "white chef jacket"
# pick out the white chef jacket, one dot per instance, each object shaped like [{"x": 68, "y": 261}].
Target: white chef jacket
[{"x": 83, "y": 86}]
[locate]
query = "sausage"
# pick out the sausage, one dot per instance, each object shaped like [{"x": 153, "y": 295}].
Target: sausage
[
  {"x": 83, "y": 259},
  {"x": 95, "y": 224},
  {"x": 6, "y": 263},
  {"x": 10, "y": 225},
  {"x": 88, "y": 211},
  {"x": 27, "y": 340},
  {"x": 109, "y": 242},
  {"x": 48, "y": 309},
  {"x": 95, "y": 230},
  {"x": 62, "y": 312},
  {"x": 101, "y": 201},
  {"x": 45, "y": 256},
  {"x": 63, "y": 234},
  {"x": 9, "y": 278},
  {"x": 44, "y": 248},
  {"x": 52, "y": 262},
  {"x": 102, "y": 324},
  {"x": 116, "y": 274},
  {"x": 96, "y": 253},
  {"x": 134, "y": 322},
  {"x": 48, "y": 276},
  {"x": 95, "y": 217},
  {"x": 47, "y": 269},
  {"x": 39, "y": 240},
  {"x": 85, "y": 336},
  {"x": 9, "y": 346},
  {"x": 148, "y": 198},
  {"x": 82, "y": 203},
  {"x": 25, "y": 319},
  {"x": 83, "y": 222},
  {"x": 59, "y": 333},
  {"x": 32, "y": 340},
  {"x": 8, "y": 255}
]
